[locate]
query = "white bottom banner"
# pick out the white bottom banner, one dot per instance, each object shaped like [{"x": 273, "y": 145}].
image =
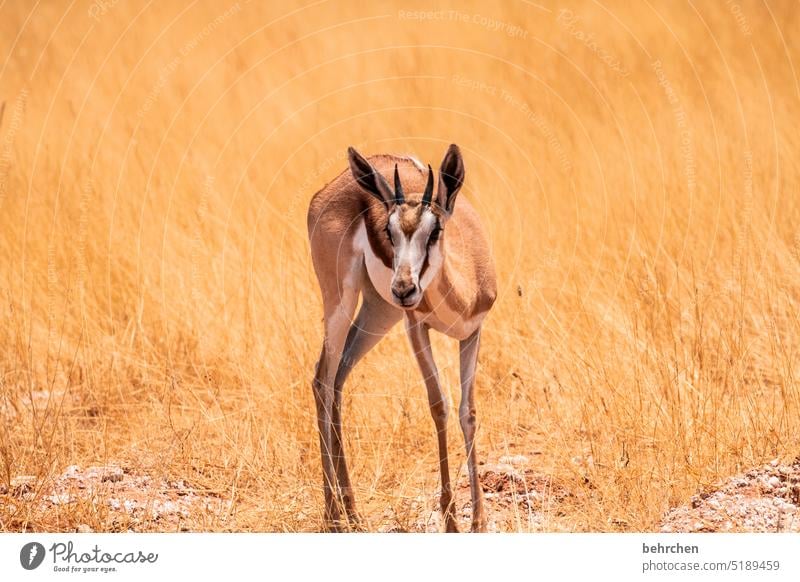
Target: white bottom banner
[{"x": 355, "y": 557}]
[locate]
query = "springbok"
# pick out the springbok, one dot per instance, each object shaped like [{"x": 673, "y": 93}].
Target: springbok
[{"x": 389, "y": 245}]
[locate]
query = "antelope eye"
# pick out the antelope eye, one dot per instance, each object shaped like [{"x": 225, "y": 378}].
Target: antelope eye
[
  {"x": 389, "y": 235},
  {"x": 435, "y": 233}
]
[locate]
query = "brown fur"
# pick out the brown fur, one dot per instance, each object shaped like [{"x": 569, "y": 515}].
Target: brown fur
[
  {"x": 462, "y": 289},
  {"x": 467, "y": 281},
  {"x": 410, "y": 214}
]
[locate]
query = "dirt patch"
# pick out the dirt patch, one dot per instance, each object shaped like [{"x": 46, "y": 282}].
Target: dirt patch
[
  {"x": 765, "y": 499},
  {"x": 517, "y": 499},
  {"x": 520, "y": 498},
  {"x": 116, "y": 498}
]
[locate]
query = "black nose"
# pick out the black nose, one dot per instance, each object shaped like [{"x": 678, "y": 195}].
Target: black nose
[{"x": 403, "y": 290}]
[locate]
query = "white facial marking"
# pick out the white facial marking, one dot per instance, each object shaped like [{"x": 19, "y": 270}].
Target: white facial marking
[
  {"x": 434, "y": 265},
  {"x": 410, "y": 251}
]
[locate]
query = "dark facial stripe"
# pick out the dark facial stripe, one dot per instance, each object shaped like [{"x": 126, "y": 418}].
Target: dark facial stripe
[
  {"x": 375, "y": 222},
  {"x": 425, "y": 265}
]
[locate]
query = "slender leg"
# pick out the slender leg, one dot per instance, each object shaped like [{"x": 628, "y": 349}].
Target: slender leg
[
  {"x": 337, "y": 322},
  {"x": 421, "y": 344},
  {"x": 466, "y": 412},
  {"x": 374, "y": 320}
]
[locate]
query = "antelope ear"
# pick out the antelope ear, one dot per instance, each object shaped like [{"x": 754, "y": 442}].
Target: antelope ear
[
  {"x": 369, "y": 178},
  {"x": 451, "y": 177}
]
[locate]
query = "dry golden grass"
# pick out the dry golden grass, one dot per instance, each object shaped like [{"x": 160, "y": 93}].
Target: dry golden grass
[{"x": 636, "y": 165}]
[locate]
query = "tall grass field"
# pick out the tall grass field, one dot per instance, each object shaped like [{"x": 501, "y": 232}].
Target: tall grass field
[{"x": 635, "y": 164}]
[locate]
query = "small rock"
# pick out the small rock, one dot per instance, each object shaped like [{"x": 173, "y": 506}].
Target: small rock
[
  {"x": 72, "y": 470},
  {"x": 22, "y": 485},
  {"x": 83, "y": 528},
  {"x": 514, "y": 460},
  {"x": 774, "y": 482},
  {"x": 60, "y": 498}
]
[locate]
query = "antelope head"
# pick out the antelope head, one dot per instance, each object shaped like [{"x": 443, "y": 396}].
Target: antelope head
[{"x": 415, "y": 224}]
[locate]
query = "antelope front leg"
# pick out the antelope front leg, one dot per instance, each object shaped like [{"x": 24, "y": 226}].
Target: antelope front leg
[
  {"x": 323, "y": 397},
  {"x": 469, "y": 361},
  {"x": 374, "y": 321},
  {"x": 421, "y": 344},
  {"x": 337, "y": 322}
]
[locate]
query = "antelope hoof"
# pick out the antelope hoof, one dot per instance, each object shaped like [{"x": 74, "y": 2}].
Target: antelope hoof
[
  {"x": 340, "y": 524},
  {"x": 450, "y": 524},
  {"x": 479, "y": 522},
  {"x": 356, "y": 524},
  {"x": 335, "y": 526},
  {"x": 333, "y": 521}
]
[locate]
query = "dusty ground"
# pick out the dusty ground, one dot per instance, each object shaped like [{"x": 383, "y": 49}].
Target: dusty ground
[
  {"x": 517, "y": 499},
  {"x": 764, "y": 499},
  {"x": 122, "y": 498}
]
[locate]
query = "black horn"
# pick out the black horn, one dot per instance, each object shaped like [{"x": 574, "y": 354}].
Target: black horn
[
  {"x": 426, "y": 198},
  {"x": 399, "y": 197}
]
